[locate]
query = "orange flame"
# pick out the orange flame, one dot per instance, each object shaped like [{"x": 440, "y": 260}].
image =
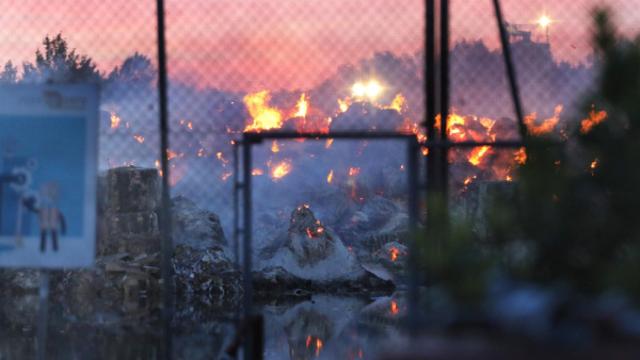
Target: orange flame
[
  {"x": 397, "y": 103},
  {"x": 257, "y": 172},
  {"x": 520, "y": 156},
  {"x": 330, "y": 177},
  {"x": 547, "y": 125},
  {"x": 139, "y": 138},
  {"x": 264, "y": 117},
  {"x": 226, "y": 176},
  {"x": 354, "y": 171},
  {"x": 274, "y": 147},
  {"x": 328, "y": 143},
  {"x": 477, "y": 154},
  {"x": 302, "y": 106},
  {"x": 594, "y": 119}
]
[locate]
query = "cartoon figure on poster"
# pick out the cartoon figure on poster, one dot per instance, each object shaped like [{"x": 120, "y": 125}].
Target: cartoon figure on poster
[{"x": 47, "y": 176}]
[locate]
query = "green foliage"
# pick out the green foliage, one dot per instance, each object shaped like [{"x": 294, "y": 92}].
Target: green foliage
[{"x": 578, "y": 205}]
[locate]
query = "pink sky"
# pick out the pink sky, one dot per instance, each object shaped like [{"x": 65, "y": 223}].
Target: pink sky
[{"x": 252, "y": 44}]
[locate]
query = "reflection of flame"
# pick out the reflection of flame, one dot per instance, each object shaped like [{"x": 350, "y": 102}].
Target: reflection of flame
[
  {"x": 264, "y": 117},
  {"x": 330, "y": 177},
  {"x": 594, "y": 119},
  {"x": 257, "y": 172},
  {"x": 281, "y": 170},
  {"x": 354, "y": 171},
  {"x": 226, "y": 176},
  {"x": 139, "y": 138},
  {"x": 328, "y": 143}
]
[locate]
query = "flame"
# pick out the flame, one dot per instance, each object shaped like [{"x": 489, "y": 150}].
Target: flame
[
  {"x": 544, "y": 21},
  {"x": 274, "y": 147},
  {"x": 594, "y": 119},
  {"x": 281, "y": 170},
  {"x": 477, "y": 154},
  {"x": 330, "y": 177},
  {"x": 397, "y": 103},
  {"x": 302, "y": 106},
  {"x": 354, "y": 171},
  {"x": 328, "y": 143},
  {"x": 264, "y": 117},
  {"x": 547, "y": 125},
  {"x": 394, "y": 310},
  {"x": 171, "y": 154},
  {"x": 226, "y": 176},
  {"x": 370, "y": 90},
  {"x": 344, "y": 104},
  {"x": 201, "y": 152},
  {"x": 139, "y": 138},
  {"x": 115, "y": 120}
]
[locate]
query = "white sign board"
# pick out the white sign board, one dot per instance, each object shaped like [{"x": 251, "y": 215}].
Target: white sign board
[{"x": 48, "y": 154}]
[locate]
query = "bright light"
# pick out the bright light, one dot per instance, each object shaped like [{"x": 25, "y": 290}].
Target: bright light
[
  {"x": 544, "y": 21},
  {"x": 370, "y": 90}
]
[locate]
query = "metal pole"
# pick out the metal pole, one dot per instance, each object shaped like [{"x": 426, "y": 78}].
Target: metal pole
[
  {"x": 415, "y": 315},
  {"x": 43, "y": 314},
  {"x": 430, "y": 87},
  {"x": 236, "y": 205},
  {"x": 444, "y": 99},
  {"x": 165, "y": 212},
  {"x": 250, "y": 347},
  {"x": 510, "y": 69}
]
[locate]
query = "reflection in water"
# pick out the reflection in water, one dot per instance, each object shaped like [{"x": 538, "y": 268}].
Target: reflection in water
[{"x": 322, "y": 327}]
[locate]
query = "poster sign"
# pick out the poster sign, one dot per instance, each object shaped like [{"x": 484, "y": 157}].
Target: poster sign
[{"x": 48, "y": 154}]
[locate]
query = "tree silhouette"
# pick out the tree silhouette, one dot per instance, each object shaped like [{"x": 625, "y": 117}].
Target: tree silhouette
[
  {"x": 55, "y": 63},
  {"x": 9, "y": 74}
]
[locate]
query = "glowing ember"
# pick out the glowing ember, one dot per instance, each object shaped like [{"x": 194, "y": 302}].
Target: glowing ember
[
  {"x": 393, "y": 253},
  {"x": 302, "y": 106},
  {"x": 220, "y": 156},
  {"x": 354, "y": 171},
  {"x": 477, "y": 154},
  {"x": 171, "y": 154},
  {"x": 139, "y": 138},
  {"x": 275, "y": 147},
  {"x": 257, "y": 172},
  {"x": 469, "y": 180},
  {"x": 226, "y": 176},
  {"x": 394, "y": 309},
  {"x": 318, "y": 346},
  {"x": 344, "y": 105},
  {"x": 308, "y": 342},
  {"x": 115, "y": 120},
  {"x": 264, "y": 117},
  {"x": 281, "y": 170},
  {"x": 330, "y": 177},
  {"x": 309, "y": 233},
  {"x": 594, "y": 119},
  {"x": 520, "y": 156},
  {"x": 201, "y": 152},
  {"x": 328, "y": 143}
]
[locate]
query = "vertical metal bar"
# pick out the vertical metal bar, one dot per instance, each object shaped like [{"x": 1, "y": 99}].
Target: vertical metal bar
[
  {"x": 510, "y": 69},
  {"x": 165, "y": 212},
  {"x": 430, "y": 87},
  {"x": 413, "y": 204},
  {"x": 250, "y": 347},
  {"x": 236, "y": 205},
  {"x": 43, "y": 315},
  {"x": 444, "y": 98}
]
